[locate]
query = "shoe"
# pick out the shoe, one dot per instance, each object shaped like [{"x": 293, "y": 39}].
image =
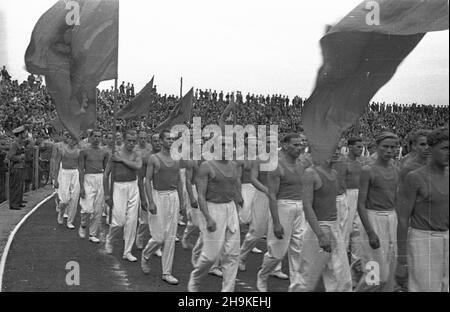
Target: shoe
[
  {"x": 280, "y": 275},
  {"x": 170, "y": 279},
  {"x": 108, "y": 248},
  {"x": 242, "y": 266},
  {"x": 181, "y": 223},
  {"x": 216, "y": 272},
  {"x": 145, "y": 264},
  {"x": 66, "y": 216},
  {"x": 177, "y": 239},
  {"x": 70, "y": 226},
  {"x": 129, "y": 257},
  {"x": 257, "y": 251},
  {"x": 82, "y": 232},
  {"x": 94, "y": 239},
  {"x": 158, "y": 253},
  {"x": 261, "y": 284}
]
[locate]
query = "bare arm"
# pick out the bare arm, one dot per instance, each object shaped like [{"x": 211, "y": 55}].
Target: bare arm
[
  {"x": 254, "y": 178},
  {"x": 180, "y": 191},
  {"x": 362, "y": 199},
  {"x": 106, "y": 178},
  {"x": 273, "y": 185},
  {"x": 238, "y": 200},
  {"x": 81, "y": 167},
  {"x": 189, "y": 173},
  {"x": 202, "y": 184},
  {"x": 148, "y": 181},
  {"x": 406, "y": 200},
  {"x": 311, "y": 183}
]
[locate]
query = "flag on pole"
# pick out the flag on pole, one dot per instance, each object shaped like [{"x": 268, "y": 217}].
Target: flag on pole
[
  {"x": 180, "y": 113},
  {"x": 140, "y": 105},
  {"x": 75, "y": 46},
  {"x": 360, "y": 55}
]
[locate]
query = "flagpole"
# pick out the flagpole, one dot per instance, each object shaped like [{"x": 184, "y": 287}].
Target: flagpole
[{"x": 181, "y": 88}]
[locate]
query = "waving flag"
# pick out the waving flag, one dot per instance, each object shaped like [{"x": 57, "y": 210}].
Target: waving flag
[
  {"x": 360, "y": 55},
  {"x": 180, "y": 113},
  {"x": 75, "y": 46},
  {"x": 140, "y": 105}
]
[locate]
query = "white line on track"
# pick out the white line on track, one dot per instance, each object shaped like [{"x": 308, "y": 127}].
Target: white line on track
[{"x": 13, "y": 233}]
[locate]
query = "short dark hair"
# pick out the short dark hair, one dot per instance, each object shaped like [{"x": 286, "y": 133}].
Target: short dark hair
[
  {"x": 354, "y": 140},
  {"x": 417, "y": 134},
  {"x": 288, "y": 137},
  {"x": 161, "y": 134},
  {"x": 437, "y": 136}
]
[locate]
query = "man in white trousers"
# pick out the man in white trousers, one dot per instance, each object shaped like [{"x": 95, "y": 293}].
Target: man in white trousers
[
  {"x": 92, "y": 164},
  {"x": 287, "y": 220},
  {"x": 146, "y": 150},
  {"x": 260, "y": 215},
  {"x": 218, "y": 199},
  {"x": 423, "y": 215},
  {"x": 125, "y": 200},
  {"x": 324, "y": 255},
  {"x": 376, "y": 207},
  {"x": 165, "y": 197},
  {"x": 67, "y": 183}
]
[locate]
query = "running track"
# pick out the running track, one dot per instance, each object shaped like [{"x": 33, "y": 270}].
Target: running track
[{"x": 41, "y": 249}]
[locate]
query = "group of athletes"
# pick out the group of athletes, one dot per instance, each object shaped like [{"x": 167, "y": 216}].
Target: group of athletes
[{"x": 347, "y": 224}]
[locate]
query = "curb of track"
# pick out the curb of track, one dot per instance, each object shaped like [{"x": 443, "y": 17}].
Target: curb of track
[{"x": 13, "y": 233}]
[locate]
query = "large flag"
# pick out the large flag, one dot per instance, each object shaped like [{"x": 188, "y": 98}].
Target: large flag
[
  {"x": 140, "y": 105},
  {"x": 75, "y": 46},
  {"x": 360, "y": 55},
  {"x": 180, "y": 113}
]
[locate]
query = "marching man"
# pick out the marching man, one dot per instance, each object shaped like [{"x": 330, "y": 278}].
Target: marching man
[
  {"x": 67, "y": 183},
  {"x": 423, "y": 221},
  {"x": 92, "y": 163},
  {"x": 217, "y": 198},
  {"x": 165, "y": 197},
  {"x": 376, "y": 207},
  {"x": 125, "y": 200}
]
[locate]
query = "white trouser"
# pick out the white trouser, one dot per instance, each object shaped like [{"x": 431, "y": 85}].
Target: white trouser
[
  {"x": 68, "y": 192},
  {"x": 248, "y": 194},
  {"x": 292, "y": 219},
  {"x": 428, "y": 261},
  {"x": 164, "y": 226},
  {"x": 143, "y": 225},
  {"x": 222, "y": 243},
  {"x": 384, "y": 223},
  {"x": 124, "y": 213},
  {"x": 259, "y": 225},
  {"x": 92, "y": 203},
  {"x": 333, "y": 268},
  {"x": 352, "y": 224}
]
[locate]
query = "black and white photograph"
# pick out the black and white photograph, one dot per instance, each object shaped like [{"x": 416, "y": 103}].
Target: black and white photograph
[{"x": 238, "y": 146}]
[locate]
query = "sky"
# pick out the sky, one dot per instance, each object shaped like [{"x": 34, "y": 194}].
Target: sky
[{"x": 257, "y": 46}]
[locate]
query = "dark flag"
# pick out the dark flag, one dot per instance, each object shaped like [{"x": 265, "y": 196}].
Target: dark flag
[
  {"x": 360, "y": 55},
  {"x": 180, "y": 113},
  {"x": 75, "y": 46},
  {"x": 140, "y": 105}
]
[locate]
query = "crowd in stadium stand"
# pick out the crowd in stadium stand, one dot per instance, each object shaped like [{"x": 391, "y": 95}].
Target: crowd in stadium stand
[{"x": 29, "y": 103}]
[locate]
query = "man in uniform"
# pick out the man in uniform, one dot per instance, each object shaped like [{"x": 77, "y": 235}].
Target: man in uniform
[
  {"x": 92, "y": 164},
  {"x": 125, "y": 200},
  {"x": 165, "y": 196},
  {"x": 16, "y": 158},
  {"x": 376, "y": 207},
  {"x": 423, "y": 214}
]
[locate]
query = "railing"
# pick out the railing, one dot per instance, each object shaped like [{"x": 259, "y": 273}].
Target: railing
[{"x": 39, "y": 176}]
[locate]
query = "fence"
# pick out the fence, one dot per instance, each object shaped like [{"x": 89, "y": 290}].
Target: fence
[{"x": 37, "y": 172}]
